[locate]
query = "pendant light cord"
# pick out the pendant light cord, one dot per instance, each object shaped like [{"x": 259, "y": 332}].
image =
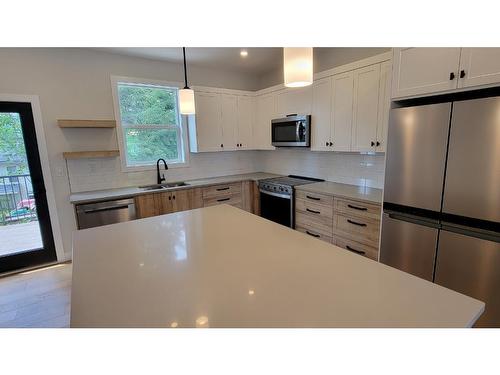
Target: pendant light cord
[{"x": 185, "y": 69}]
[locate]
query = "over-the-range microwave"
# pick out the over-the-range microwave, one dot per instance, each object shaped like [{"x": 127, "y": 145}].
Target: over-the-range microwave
[{"x": 291, "y": 131}]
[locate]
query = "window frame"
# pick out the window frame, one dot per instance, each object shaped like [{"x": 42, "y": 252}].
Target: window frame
[{"x": 183, "y": 128}]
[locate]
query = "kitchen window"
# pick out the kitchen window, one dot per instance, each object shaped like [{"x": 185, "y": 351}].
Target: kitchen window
[{"x": 149, "y": 124}]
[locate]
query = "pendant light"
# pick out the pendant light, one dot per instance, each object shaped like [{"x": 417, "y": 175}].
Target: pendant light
[
  {"x": 186, "y": 95},
  {"x": 298, "y": 66}
]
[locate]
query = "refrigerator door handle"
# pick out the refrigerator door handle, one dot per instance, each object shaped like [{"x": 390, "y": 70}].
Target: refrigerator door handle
[{"x": 413, "y": 219}]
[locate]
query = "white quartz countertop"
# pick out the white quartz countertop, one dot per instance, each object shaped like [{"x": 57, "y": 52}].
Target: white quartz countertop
[
  {"x": 126, "y": 192},
  {"x": 223, "y": 267},
  {"x": 360, "y": 193}
]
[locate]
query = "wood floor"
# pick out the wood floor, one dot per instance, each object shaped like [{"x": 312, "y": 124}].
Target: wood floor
[{"x": 39, "y": 298}]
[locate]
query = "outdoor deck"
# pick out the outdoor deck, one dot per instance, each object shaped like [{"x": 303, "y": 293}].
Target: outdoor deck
[{"x": 18, "y": 237}]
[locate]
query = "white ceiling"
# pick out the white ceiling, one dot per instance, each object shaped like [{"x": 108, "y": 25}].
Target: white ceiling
[{"x": 258, "y": 61}]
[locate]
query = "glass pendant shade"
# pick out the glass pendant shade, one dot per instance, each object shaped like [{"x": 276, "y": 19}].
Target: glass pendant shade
[
  {"x": 298, "y": 66},
  {"x": 186, "y": 102}
]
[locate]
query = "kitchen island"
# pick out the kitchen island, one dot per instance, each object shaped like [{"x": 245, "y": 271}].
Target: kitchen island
[{"x": 223, "y": 267}]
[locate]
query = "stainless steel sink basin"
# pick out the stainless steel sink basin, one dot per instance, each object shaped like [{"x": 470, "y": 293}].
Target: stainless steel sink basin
[{"x": 163, "y": 186}]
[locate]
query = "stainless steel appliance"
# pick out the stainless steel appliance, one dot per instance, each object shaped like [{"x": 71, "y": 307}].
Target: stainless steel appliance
[
  {"x": 291, "y": 131},
  {"x": 277, "y": 198},
  {"x": 91, "y": 215},
  {"x": 441, "y": 217}
]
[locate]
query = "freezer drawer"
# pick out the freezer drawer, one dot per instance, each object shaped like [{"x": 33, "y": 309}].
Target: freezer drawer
[
  {"x": 470, "y": 266},
  {"x": 472, "y": 186},
  {"x": 416, "y": 155},
  {"x": 408, "y": 246}
]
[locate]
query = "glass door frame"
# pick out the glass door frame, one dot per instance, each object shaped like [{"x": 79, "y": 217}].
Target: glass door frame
[{"x": 47, "y": 254}]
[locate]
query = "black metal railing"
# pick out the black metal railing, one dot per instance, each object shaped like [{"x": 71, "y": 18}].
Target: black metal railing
[{"x": 17, "y": 203}]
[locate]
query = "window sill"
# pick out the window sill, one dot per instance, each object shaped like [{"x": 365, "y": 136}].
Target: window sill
[{"x": 152, "y": 167}]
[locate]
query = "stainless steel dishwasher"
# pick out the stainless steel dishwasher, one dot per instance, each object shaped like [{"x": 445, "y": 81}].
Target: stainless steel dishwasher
[{"x": 91, "y": 215}]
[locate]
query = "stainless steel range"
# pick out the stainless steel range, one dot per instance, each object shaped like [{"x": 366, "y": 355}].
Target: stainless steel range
[{"x": 277, "y": 198}]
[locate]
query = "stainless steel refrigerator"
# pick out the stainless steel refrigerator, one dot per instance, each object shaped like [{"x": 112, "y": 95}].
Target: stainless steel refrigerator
[{"x": 441, "y": 218}]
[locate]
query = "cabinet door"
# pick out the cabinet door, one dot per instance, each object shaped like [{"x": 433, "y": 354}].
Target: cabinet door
[
  {"x": 163, "y": 203},
  {"x": 424, "y": 70},
  {"x": 321, "y": 115},
  {"x": 208, "y": 121},
  {"x": 365, "y": 108},
  {"x": 342, "y": 100},
  {"x": 245, "y": 122},
  {"x": 480, "y": 66},
  {"x": 181, "y": 200},
  {"x": 384, "y": 105},
  {"x": 295, "y": 101},
  {"x": 145, "y": 206},
  {"x": 266, "y": 111},
  {"x": 229, "y": 120}
]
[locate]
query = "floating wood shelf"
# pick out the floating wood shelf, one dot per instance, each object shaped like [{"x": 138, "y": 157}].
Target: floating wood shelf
[
  {"x": 86, "y": 123},
  {"x": 91, "y": 154}
]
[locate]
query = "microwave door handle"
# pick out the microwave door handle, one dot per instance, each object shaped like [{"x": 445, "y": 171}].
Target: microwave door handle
[{"x": 297, "y": 131}]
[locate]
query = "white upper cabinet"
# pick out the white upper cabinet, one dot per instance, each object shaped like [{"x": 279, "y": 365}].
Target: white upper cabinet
[
  {"x": 229, "y": 121},
  {"x": 246, "y": 115},
  {"x": 384, "y": 105},
  {"x": 424, "y": 70},
  {"x": 266, "y": 111},
  {"x": 294, "y": 101},
  {"x": 342, "y": 110},
  {"x": 479, "y": 66},
  {"x": 365, "y": 108},
  {"x": 208, "y": 130},
  {"x": 321, "y": 115}
]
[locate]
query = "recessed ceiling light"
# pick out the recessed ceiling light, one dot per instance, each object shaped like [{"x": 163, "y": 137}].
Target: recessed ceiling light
[{"x": 243, "y": 53}]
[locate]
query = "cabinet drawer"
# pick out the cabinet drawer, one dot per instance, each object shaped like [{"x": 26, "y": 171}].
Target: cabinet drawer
[
  {"x": 326, "y": 200},
  {"x": 360, "y": 209},
  {"x": 223, "y": 189},
  {"x": 362, "y": 230},
  {"x": 357, "y": 248},
  {"x": 315, "y": 223},
  {"x": 314, "y": 210},
  {"x": 234, "y": 200},
  {"x": 314, "y": 233}
]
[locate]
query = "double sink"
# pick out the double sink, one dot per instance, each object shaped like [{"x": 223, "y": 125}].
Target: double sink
[{"x": 163, "y": 186}]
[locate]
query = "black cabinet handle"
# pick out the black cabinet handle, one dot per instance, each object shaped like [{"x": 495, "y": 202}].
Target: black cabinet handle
[
  {"x": 356, "y": 223},
  {"x": 314, "y": 212},
  {"x": 452, "y": 76},
  {"x": 378, "y": 143},
  {"x": 222, "y": 145},
  {"x": 326, "y": 144},
  {"x": 372, "y": 143},
  {"x": 173, "y": 197},
  {"x": 331, "y": 144},
  {"x": 312, "y": 234},
  {"x": 224, "y": 188},
  {"x": 462, "y": 73},
  {"x": 223, "y": 199},
  {"x": 169, "y": 197},
  {"x": 354, "y": 250},
  {"x": 313, "y": 198},
  {"x": 357, "y": 208}
]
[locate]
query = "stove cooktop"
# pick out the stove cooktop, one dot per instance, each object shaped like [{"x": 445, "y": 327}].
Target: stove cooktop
[{"x": 291, "y": 180}]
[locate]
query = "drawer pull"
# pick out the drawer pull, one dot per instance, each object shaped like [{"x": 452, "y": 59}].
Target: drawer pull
[
  {"x": 357, "y": 208},
  {"x": 313, "y": 198},
  {"x": 312, "y": 234},
  {"x": 224, "y": 188},
  {"x": 314, "y": 212},
  {"x": 354, "y": 250},
  {"x": 356, "y": 223},
  {"x": 223, "y": 199}
]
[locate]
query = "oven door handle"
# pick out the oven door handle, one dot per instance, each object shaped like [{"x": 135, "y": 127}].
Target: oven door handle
[{"x": 285, "y": 196}]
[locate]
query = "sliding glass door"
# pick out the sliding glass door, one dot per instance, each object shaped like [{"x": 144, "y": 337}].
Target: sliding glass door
[{"x": 25, "y": 230}]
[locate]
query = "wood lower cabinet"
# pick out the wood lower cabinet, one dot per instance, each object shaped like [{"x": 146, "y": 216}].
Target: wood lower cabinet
[
  {"x": 154, "y": 204},
  {"x": 352, "y": 225},
  {"x": 145, "y": 206}
]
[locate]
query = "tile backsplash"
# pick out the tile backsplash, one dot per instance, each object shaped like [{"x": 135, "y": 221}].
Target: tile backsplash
[
  {"x": 348, "y": 168},
  {"x": 355, "y": 169}
]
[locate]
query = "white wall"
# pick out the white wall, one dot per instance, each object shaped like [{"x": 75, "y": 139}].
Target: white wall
[
  {"x": 324, "y": 59},
  {"x": 347, "y": 168},
  {"x": 75, "y": 83}
]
